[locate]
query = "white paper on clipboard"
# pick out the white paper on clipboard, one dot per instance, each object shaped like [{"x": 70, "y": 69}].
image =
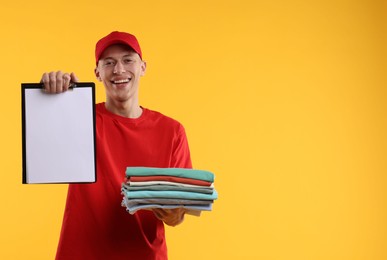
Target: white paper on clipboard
[{"x": 59, "y": 135}]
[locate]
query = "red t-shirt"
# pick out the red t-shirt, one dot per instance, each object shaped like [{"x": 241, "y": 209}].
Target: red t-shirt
[{"x": 95, "y": 225}]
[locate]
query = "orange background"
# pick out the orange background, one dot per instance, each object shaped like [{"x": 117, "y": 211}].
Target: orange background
[{"x": 285, "y": 101}]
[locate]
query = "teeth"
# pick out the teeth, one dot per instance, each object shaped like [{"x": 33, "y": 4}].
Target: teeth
[{"x": 121, "y": 81}]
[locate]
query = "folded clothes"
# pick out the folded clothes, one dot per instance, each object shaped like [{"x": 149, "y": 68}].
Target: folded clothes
[
  {"x": 133, "y": 209},
  {"x": 169, "y": 178},
  {"x": 206, "y": 190},
  {"x": 177, "y": 172},
  {"x": 147, "y": 183},
  {"x": 168, "y": 188},
  {"x": 133, "y": 202},
  {"x": 170, "y": 194}
]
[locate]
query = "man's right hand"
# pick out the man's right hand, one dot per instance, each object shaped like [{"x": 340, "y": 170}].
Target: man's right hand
[{"x": 57, "y": 81}]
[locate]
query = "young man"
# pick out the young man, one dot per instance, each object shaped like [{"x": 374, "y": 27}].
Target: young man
[{"x": 95, "y": 225}]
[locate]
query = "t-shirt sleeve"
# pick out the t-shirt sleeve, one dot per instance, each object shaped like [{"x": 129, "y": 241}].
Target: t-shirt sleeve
[{"x": 181, "y": 157}]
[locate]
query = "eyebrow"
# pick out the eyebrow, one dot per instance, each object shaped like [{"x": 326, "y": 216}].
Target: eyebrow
[
  {"x": 125, "y": 56},
  {"x": 129, "y": 55}
]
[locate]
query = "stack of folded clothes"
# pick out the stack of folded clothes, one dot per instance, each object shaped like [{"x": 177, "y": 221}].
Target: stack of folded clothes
[{"x": 168, "y": 188}]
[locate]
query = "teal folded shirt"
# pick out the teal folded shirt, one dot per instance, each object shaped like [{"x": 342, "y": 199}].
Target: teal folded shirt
[
  {"x": 177, "y": 172},
  {"x": 170, "y": 194}
]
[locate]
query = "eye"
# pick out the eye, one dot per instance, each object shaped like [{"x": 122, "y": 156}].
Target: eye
[
  {"x": 108, "y": 63},
  {"x": 128, "y": 60}
]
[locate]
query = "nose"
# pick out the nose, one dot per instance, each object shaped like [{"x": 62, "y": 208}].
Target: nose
[{"x": 119, "y": 68}]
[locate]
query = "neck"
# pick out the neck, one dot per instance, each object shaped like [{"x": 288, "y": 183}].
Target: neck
[{"x": 128, "y": 108}]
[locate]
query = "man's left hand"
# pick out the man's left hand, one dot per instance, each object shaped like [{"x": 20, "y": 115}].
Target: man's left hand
[{"x": 171, "y": 217}]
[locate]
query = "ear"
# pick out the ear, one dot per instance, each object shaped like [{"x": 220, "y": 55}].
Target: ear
[
  {"x": 143, "y": 68},
  {"x": 96, "y": 72}
]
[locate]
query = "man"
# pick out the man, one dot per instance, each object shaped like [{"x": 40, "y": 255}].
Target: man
[{"x": 95, "y": 225}]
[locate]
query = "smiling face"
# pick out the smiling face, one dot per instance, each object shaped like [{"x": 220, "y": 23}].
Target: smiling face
[{"x": 119, "y": 69}]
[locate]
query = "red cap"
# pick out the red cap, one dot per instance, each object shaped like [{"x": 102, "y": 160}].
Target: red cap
[{"x": 117, "y": 38}]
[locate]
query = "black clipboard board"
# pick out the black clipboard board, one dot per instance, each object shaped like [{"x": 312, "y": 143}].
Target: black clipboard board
[{"x": 58, "y": 134}]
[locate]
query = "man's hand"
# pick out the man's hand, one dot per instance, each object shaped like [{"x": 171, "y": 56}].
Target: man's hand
[
  {"x": 171, "y": 217},
  {"x": 57, "y": 82}
]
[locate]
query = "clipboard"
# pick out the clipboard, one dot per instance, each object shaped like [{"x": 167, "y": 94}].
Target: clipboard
[{"x": 58, "y": 134}]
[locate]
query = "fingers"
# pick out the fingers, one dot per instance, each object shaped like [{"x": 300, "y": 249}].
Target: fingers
[
  {"x": 163, "y": 213},
  {"x": 57, "y": 81},
  {"x": 159, "y": 213},
  {"x": 74, "y": 77},
  {"x": 66, "y": 81},
  {"x": 46, "y": 82}
]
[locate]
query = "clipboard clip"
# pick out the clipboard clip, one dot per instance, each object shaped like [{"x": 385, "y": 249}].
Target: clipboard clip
[{"x": 72, "y": 86}]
